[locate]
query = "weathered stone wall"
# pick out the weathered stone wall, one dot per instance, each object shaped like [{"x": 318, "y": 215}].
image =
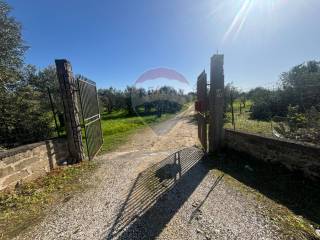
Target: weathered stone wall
[
  {"x": 31, "y": 161},
  {"x": 294, "y": 155}
]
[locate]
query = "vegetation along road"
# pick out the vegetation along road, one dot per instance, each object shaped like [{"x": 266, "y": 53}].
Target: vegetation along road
[{"x": 160, "y": 185}]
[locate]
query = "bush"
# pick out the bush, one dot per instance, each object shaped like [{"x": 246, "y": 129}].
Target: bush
[
  {"x": 26, "y": 115},
  {"x": 295, "y": 119},
  {"x": 301, "y": 127},
  {"x": 25, "y": 112},
  {"x": 261, "y": 111}
]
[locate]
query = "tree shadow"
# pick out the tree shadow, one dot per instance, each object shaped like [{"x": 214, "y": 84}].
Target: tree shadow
[
  {"x": 289, "y": 188},
  {"x": 157, "y": 194}
]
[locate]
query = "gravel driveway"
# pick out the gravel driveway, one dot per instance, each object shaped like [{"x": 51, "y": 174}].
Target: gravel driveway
[{"x": 158, "y": 187}]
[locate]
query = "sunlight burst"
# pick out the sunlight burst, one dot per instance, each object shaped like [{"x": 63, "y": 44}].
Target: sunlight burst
[{"x": 242, "y": 14}]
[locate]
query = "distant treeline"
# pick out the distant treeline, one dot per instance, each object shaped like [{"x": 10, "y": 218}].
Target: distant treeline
[{"x": 139, "y": 100}]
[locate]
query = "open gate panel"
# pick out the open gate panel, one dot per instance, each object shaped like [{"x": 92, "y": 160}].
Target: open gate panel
[{"x": 90, "y": 116}]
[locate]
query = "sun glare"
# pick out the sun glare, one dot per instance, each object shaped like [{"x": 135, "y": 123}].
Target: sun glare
[{"x": 243, "y": 13}]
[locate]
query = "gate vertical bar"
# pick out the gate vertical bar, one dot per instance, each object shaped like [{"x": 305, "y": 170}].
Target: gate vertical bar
[
  {"x": 216, "y": 103},
  {"x": 202, "y": 103},
  {"x": 68, "y": 90},
  {"x": 83, "y": 120}
]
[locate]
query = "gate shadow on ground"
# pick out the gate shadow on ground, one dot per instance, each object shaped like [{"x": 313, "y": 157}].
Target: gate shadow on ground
[
  {"x": 291, "y": 189},
  {"x": 157, "y": 194}
]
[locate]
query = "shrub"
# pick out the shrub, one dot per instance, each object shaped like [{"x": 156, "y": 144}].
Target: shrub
[{"x": 261, "y": 111}]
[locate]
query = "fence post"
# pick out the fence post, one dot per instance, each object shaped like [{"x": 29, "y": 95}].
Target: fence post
[
  {"x": 68, "y": 90},
  {"x": 216, "y": 103}
]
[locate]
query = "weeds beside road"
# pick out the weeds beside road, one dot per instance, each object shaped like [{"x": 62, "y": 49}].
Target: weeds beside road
[
  {"x": 215, "y": 197},
  {"x": 26, "y": 205},
  {"x": 135, "y": 197}
]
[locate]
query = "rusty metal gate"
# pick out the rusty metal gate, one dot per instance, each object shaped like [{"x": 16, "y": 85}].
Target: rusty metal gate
[
  {"x": 202, "y": 108},
  {"x": 91, "y": 119}
]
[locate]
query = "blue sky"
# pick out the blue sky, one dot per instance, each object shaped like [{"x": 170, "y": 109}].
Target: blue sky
[{"x": 114, "y": 41}]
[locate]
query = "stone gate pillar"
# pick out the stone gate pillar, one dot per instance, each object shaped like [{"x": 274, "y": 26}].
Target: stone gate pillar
[
  {"x": 216, "y": 103},
  {"x": 69, "y": 95}
]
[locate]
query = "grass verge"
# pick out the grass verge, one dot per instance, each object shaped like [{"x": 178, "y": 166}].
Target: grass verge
[
  {"x": 118, "y": 126},
  {"x": 26, "y": 205},
  {"x": 244, "y": 123}
]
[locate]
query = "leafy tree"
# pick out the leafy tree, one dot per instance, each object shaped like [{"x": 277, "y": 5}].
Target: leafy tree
[
  {"x": 163, "y": 100},
  {"x": 129, "y": 91},
  {"x": 259, "y": 94},
  {"x": 11, "y": 60},
  {"x": 301, "y": 85},
  {"x": 26, "y": 115},
  {"x": 12, "y": 47},
  {"x": 230, "y": 94},
  {"x": 296, "y": 101},
  {"x": 107, "y": 99}
]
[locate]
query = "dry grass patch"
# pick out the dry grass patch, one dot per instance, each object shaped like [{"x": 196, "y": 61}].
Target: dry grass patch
[{"x": 26, "y": 205}]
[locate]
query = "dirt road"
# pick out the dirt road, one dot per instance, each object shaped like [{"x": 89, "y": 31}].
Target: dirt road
[{"x": 157, "y": 186}]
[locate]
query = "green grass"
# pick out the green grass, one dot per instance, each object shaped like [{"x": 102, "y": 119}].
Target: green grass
[
  {"x": 118, "y": 126},
  {"x": 25, "y": 206},
  {"x": 244, "y": 123}
]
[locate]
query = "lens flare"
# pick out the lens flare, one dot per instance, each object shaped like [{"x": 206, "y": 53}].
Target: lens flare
[{"x": 239, "y": 20}]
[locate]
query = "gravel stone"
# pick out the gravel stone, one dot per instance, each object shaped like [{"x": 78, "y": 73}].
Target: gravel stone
[{"x": 128, "y": 201}]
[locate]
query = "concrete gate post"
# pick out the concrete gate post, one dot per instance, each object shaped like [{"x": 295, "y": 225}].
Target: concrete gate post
[
  {"x": 68, "y": 90},
  {"x": 216, "y": 103}
]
